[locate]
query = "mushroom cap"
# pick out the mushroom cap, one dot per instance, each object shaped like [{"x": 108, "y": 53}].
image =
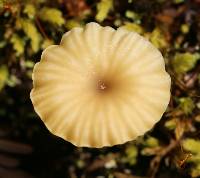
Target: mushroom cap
[{"x": 100, "y": 86}]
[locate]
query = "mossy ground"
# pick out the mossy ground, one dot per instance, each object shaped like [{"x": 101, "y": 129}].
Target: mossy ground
[{"x": 170, "y": 150}]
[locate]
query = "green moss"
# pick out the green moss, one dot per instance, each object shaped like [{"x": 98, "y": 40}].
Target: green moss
[
  {"x": 185, "y": 28},
  {"x": 133, "y": 16},
  {"x": 133, "y": 27},
  {"x": 195, "y": 171},
  {"x": 131, "y": 153},
  {"x": 179, "y": 1},
  {"x": 103, "y": 8},
  {"x": 52, "y": 15},
  {"x": 186, "y": 104},
  {"x": 72, "y": 23},
  {"x": 30, "y": 10},
  {"x": 18, "y": 44},
  {"x": 158, "y": 38},
  {"x": 151, "y": 142},
  {"x": 3, "y": 76},
  {"x": 171, "y": 124},
  {"x": 32, "y": 33},
  {"x": 184, "y": 62},
  {"x": 192, "y": 145}
]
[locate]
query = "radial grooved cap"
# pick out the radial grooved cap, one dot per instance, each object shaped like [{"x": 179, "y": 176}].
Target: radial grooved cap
[{"x": 100, "y": 86}]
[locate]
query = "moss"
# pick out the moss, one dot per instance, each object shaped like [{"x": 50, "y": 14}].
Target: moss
[{"x": 184, "y": 62}]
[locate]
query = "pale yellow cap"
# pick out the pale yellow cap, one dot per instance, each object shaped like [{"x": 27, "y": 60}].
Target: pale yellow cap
[{"x": 100, "y": 86}]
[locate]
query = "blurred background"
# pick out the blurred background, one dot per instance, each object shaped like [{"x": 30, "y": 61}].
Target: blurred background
[{"x": 170, "y": 150}]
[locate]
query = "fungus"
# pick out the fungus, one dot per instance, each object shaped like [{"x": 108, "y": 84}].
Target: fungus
[{"x": 100, "y": 86}]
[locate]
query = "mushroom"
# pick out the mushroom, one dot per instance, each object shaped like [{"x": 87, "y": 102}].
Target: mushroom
[{"x": 100, "y": 86}]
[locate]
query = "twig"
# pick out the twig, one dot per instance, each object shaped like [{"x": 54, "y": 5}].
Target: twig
[
  {"x": 155, "y": 163},
  {"x": 8, "y": 161},
  {"x": 14, "y": 173},
  {"x": 41, "y": 28},
  {"x": 179, "y": 83},
  {"x": 14, "y": 147}
]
